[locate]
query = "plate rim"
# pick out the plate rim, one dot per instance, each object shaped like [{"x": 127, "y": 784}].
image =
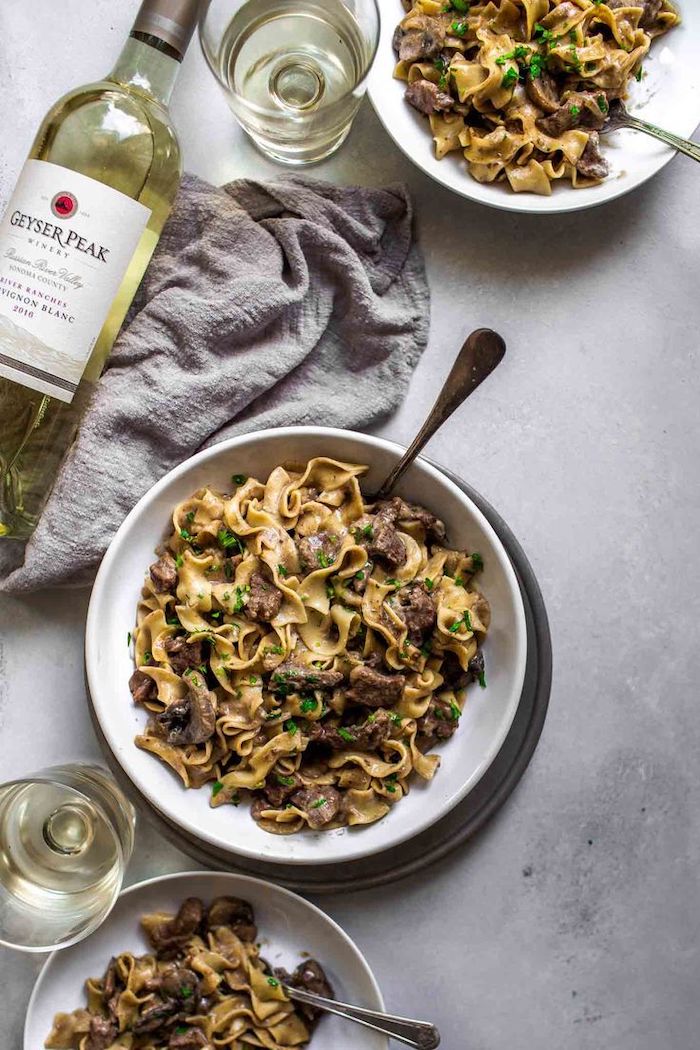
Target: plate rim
[
  {"x": 513, "y": 202},
  {"x": 177, "y": 875},
  {"x": 520, "y": 636}
]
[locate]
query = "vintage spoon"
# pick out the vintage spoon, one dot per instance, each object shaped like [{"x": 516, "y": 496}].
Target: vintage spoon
[
  {"x": 482, "y": 351},
  {"x": 618, "y": 117},
  {"x": 418, "y": 1034}
]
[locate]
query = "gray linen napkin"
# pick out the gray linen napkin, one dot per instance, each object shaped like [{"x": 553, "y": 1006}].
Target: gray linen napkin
[{"x": 294, "y": 302}]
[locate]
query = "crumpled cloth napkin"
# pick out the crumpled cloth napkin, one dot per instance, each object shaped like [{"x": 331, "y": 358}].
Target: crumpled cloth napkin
[{"x": 292, "y": 302}]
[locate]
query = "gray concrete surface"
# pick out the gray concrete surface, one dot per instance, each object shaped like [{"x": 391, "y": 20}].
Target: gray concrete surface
[{"x": 573, "y": 921}]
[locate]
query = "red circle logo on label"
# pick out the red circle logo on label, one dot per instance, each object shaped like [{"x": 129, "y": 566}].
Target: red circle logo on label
[{"x": 64, "y": 205}]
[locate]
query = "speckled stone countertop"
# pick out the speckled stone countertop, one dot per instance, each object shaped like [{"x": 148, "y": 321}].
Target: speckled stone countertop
[{"x": 573, "y": 921}]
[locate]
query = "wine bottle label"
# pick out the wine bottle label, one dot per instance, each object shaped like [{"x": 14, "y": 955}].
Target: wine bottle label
[{"x": 66, "y": 242}]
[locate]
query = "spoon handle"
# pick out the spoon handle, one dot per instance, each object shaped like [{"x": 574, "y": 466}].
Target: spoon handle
[
  {"x": 691, "y": 149},
  {"x": 482, "y": 351},
  {"x": 418, "y": 1034}
]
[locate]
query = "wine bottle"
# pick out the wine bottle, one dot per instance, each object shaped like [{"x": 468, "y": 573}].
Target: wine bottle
[{"x": 75, "y": 241}]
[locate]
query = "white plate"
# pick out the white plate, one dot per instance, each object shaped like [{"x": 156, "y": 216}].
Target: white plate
[
  {"x": 288, "y": 926},
  {"x": 488, "y": 713},
  {"x": 668, "y": 95}
]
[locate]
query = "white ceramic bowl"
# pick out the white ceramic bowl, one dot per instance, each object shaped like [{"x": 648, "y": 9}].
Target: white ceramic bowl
[
  {"x": 488, "y": 713},
  {"x": 288, "y": 926},
  {"x": 668, "y": 95}
]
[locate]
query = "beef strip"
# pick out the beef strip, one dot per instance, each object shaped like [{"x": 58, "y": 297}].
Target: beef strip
[
  {"x": 427, "y": 97},
  {"x": 101, "y": 1033},
  {"x": 179, "y": 982},
  {"x": 417, "y": 609},
  {"x": 192, "y": 1039},
  {"x": 453, "y": 674},
  {"x": 157, "y": 1017},
  {"x": 183, "y": 654},
  {"x": 408, "y": 512},
  {"x": 235, "y": 913},
  {"x": 264, "y": 600},
  {"x": 318, "y": 551},
  {"x": 277, "y": 791},
  {"x": 380, "y": 537},
  {"x": 419, "y": 45},
  {"x": 372, "y": 688},
  {"x": 191, "y": 720},
  {"x": 290, "y": 677},
  {"x": 320, "y": 804},
  {"x": 592, "y": 164},
  {"x": 542, "y": 90},
  {"x": 142, "y": 687},
  {"x": 366, "y": 736},
  {"x": 396, "y": 39},
  {"x": 580, "y": 110},
  {"x": 170, "y": 937},
  {"x": 650, "y": 9},
  {"x": 309, "y": 977},
  {"x": 359, "y": 580},
  {"x": 164, "y": 573},
  {"x": 438, "y": 723}
]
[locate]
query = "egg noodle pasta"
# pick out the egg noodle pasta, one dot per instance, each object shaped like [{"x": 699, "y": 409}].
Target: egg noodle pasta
[
  {"x": 301, "y": 647},
  {"x": 203, "y": 985},
  {"x": 523, "y": 87}
]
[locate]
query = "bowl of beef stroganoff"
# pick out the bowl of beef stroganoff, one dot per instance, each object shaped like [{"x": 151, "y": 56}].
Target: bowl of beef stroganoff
[{"x": 290, "y": 670}]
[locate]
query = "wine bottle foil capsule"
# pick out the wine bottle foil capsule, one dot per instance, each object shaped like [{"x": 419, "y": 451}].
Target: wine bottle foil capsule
[{"x": 172, "y": 21}]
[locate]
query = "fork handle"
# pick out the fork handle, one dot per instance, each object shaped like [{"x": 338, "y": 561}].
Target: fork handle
[
  {"x": 418, "y": 1034},
  {"x": 686, "y": 146}
]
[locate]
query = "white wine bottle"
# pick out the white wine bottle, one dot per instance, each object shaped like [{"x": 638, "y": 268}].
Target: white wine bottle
[{"x": 75, "y": 241}]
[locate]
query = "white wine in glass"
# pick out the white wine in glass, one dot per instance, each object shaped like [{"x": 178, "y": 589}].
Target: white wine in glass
[{"x": 66, "y": 836}]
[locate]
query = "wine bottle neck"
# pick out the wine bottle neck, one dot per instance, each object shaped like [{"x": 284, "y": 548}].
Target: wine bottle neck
[{"x": 147, "y": 68}]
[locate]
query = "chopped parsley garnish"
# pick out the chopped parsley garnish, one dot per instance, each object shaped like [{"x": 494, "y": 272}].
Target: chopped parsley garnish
[
  {"x": 396, "y": 719},
  {"x": 308, "y": 704},
  {"x": 482, "y": 680},
  {"x": 359, "y": 575},
  {"x": 216, "y": 788},
  {"x": 454, "y": 711},
  {"x": 510, "y": 78},
  {"x": 346, "y": 735},
  {"x": 148, "y": 656},
  {"x": 322, "y": 559},
  {"x": 235, "y": 799},
  {"x": 128, "y": 639},
  {"x": 543, "y": 35},
  {"x": 285, "y": 781},
  {"x": 639, "y": 74},
  {"x": 178, "y": 560},
  {"x": 477, "y": 561},
  {"x": 366, "y": 531},
  {"x": 190, "y": 515},
  {"x": 181, "y": 1029},
  {"x": 389, "y": 786},
  {"x": 318, "y": 803},
  {"x": 276, "y": 649},
  {"x": 330, "y": 589},
  {"x": 253, "y": 680},
  {"x": 517, "y": 53},
  {"x": 216, "y": 615},
  {"x": 459, "y": 28},
  {"x": 273, "y": 982},
  {"x": 537, "y": 64},
  {"x": 239, "y": 603},
  {"x": 603, "y": 104},
  {"x": 458, "y": 5},
  {"x": 468, "y": 620},
  {"x": 282, "y": 571},
  {"x": 239, "y": 479},
  {"x": 392, "y": 582},
  {"x": 272, "y": 714},
  {"x": 229, "y": 539},
  {"x": 429, "y": 583},
  {"x": 459, "y": 582},
  {"x": 465, "y": 620},
  {"x": 185, "y": 992},
  {"x": 173, "y": 621},
  {"x": 187, "y": 536},
  {"x": 291, "y": 726},
  {"x": 574, "y": 110}
]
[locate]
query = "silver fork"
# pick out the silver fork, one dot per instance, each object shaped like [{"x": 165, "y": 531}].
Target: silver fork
[
  {"x": 618, "y": 117},
  {"x": 418, "y": 1034}
]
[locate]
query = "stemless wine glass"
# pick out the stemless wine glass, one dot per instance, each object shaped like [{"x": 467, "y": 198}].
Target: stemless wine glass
[
  {"x": 294, "y": 71},
  {"x": 66, "y": 836}
]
